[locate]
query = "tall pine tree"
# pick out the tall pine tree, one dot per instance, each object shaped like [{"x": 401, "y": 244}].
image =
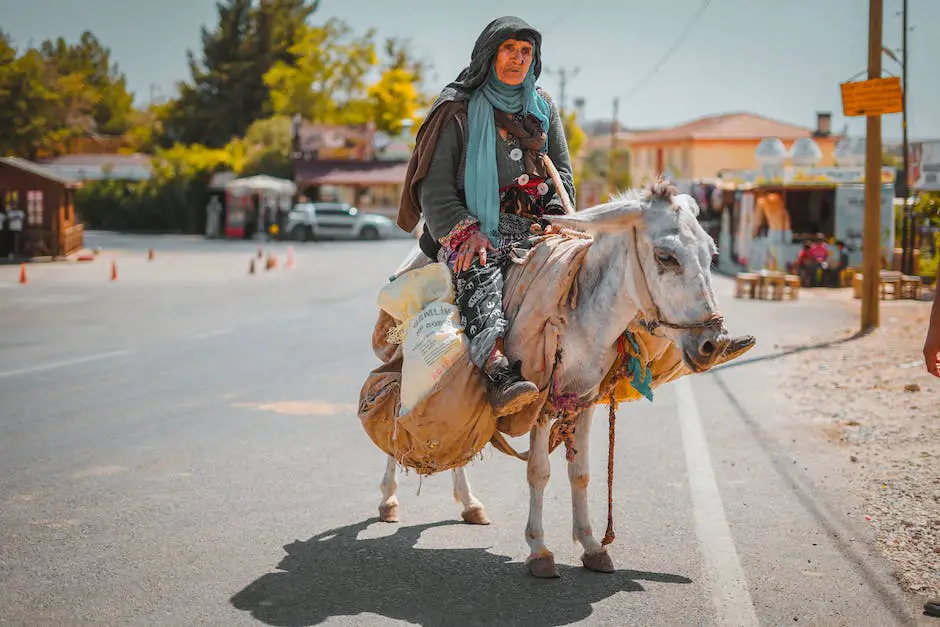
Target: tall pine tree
[{"x": 227, "y": 91}]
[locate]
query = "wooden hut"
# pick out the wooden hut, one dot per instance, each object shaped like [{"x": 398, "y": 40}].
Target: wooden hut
[{"x": 50, "y": 227}]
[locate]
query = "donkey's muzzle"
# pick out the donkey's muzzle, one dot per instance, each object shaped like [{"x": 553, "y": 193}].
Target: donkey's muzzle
[{"x": 703, "y": 350}]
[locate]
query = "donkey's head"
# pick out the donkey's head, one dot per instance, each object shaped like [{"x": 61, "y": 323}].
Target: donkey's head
[{"x": 653, "y": 240}]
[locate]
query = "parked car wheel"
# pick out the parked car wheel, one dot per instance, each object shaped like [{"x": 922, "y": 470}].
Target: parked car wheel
[{"x": 369, "y": 233}]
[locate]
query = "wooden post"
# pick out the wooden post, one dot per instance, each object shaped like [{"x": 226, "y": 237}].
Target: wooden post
[
  {"x": 871, "y": 243},
  {"x": 907, "y": 231}
]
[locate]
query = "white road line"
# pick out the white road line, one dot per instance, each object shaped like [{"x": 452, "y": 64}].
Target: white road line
[
  {"x": 65, "y": 363},
  {"x": 722, "y": 567},
  {"x": 210, "y": 334}
]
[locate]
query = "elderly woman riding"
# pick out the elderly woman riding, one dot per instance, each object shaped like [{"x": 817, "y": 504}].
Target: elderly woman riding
[{"x": 479, "y": 178}]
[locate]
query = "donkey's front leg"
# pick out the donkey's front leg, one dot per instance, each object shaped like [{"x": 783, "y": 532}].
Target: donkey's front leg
[
  {"x": 388, "y": 508},
  {"x": 473, "y": 512},
  {"x": 579, "y": 474},
  {"x": 541, "y": 562}
]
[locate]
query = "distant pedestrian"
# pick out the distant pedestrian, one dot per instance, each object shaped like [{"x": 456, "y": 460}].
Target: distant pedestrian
[{"x": 932, "y": 343}]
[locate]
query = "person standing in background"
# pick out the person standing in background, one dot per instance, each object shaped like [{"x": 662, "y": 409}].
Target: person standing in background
[
  {"x": 16, "y": 217},
  {"x": 932, "y": 343}
]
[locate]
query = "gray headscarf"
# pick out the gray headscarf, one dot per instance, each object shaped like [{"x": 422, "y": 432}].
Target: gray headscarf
[{"x": 484, "y": 51}]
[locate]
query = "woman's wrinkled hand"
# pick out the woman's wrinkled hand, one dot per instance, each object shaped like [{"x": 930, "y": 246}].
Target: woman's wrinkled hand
[{"x": 477, "y": 244}]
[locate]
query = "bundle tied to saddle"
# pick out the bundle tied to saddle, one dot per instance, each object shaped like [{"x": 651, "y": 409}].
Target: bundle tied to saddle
[{"x": 444, "y": 422}]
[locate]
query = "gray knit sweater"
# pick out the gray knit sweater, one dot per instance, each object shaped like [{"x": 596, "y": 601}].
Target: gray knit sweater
[{"x": 442, "y": 192}]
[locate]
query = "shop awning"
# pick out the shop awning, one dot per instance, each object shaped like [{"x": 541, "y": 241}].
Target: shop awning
[{"x": 350, "y": 173}]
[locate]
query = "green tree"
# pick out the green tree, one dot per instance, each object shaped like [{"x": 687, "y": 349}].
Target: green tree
[
  {"x": 91, "y": 61},
  {"x": 227, "y": 90},
  {"x": 573, "y": 134},
  {"x": 328, "y": 74},
  {"x": 393, "y": 99},
  {"x": 596, "y": 167},
  {"x": 27, "y": 100},
  {"x": 210, "y": 107},
  {"x": 51, "y": 94},
  {"x": 396, "y": 96},
  {"x": 267, "y": 147}
]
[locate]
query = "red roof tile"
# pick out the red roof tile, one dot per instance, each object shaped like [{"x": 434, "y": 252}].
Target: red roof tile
[{"x": 350, "y": 172}]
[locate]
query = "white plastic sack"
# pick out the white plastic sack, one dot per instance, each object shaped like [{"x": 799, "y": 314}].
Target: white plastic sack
[{"x": 432, "y": 338}]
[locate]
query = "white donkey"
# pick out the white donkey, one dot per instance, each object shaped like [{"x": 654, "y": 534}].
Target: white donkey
[{"x": 650, "y": 255}]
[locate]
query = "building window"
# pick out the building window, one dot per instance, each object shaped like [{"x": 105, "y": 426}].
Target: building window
[{"x": 34, "y": 207}]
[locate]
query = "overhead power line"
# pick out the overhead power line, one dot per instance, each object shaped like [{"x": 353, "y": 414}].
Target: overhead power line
[
  {"x": 561, "y": 18},
  {"x": 672, "y": 49}
]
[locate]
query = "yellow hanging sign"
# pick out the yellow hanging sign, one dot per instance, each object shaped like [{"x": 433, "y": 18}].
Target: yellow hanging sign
[{"x": 876, "y": 96}]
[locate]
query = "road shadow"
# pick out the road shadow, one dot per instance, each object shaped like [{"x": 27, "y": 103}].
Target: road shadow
[
  {"x": 336, "y": 574},
  {"x": 792, "y": 351}
]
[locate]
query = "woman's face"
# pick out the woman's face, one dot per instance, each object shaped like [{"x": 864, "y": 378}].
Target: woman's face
[{"x": 513, "y": 60}]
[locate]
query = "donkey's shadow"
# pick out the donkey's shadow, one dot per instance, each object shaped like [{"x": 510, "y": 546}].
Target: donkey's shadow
[{"x": 336, "y": 574}]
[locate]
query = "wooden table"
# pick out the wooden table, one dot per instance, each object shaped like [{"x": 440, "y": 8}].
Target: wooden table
[
  {"x": 892, "y": 285},
  {"x": 771, "y": 284}
]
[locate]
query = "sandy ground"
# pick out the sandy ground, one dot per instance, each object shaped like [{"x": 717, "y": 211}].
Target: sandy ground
[{"x": 875, "y": 404}]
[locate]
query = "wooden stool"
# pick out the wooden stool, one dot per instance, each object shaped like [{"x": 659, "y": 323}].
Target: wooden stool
[
  {"x": 911, "y": 286},
  {"x": 857, "y": 284},
  {"x": 775, "y": 287},
  {"x": 791, "y": 284},
  {"x": 745, "y": 285},
  {"x": 845, "y": 276},
  {"x": 890, "y": 284}
]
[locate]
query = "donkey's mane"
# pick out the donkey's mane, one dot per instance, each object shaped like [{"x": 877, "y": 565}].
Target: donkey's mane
[{"x": 661, "y": 189}]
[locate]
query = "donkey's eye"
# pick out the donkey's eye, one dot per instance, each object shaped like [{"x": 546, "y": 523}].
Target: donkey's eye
[{"x": 667, "y": 260}]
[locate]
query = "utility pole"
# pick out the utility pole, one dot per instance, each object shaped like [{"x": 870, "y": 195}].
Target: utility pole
[
  {"x": 871, "y": 242},
  {"x": 612, "y": 167},
  {"x": 563, "y": 84},
  {"x": 907, "y": 232}
]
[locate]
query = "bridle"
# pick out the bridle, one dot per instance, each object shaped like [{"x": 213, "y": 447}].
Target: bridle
[{"x": 652, "y": 318}]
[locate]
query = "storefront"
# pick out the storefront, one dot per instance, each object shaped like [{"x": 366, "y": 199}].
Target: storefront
[
  {"x": 770, "y": 218},
  {"x": 37, "y": 211}
]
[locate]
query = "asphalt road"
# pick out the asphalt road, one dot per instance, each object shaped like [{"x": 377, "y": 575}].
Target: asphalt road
[{"x": 180, "y": 447}]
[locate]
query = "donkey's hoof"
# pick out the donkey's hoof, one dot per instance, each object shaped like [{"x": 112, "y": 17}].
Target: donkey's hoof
[
  {"x": 388, "y": 512},
  {"x": 475, "y": 515},
  {"x": 599, "y": 562},
  {"x": 543, "y": 567}
]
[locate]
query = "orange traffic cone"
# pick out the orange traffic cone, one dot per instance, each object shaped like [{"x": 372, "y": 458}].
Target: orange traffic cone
[
  {"x": 114, "y": 270},
  {"x": 23, "y": 274},
  {"x": 149, "y": 254},
  {"x": 290, "y": 256}
]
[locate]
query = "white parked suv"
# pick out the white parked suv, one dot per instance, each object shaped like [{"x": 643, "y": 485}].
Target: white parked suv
[{"x": 329, "y": 220}]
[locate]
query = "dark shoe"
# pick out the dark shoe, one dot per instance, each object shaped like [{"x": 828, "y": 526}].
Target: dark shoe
[
  {"x": 508, "y": 391},
  {"x": 932, "y": 607}
]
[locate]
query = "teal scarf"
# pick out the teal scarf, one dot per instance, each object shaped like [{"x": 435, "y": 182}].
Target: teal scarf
[{"x": 481, "y": 177}]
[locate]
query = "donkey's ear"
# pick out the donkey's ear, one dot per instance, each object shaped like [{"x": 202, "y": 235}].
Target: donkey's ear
[
  {"x": 609, "y": 217},
  {"x": 687, "y": 202}
]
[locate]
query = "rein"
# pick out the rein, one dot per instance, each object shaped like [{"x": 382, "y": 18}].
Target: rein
[{"x": 654, "y": 319}]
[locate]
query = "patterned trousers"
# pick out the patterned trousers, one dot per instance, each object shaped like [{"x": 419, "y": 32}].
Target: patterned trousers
[{"x": 479, "y": 290}]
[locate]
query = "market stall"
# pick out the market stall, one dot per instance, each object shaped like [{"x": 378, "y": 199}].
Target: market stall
[
  {"x": 254, "y": 202},
  {"x": 770, "y": 218}
]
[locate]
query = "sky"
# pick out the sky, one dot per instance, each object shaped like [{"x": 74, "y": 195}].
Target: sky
[{"x": 784, "y": 60}]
